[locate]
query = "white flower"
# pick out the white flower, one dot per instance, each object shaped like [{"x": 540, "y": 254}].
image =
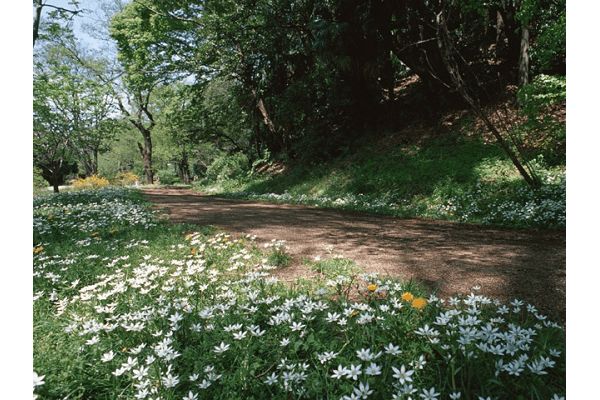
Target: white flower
[
  {"x": 402, "y": 374},
  {"x": 191, "y": 396},
  {"x": 38, "y": 380},
  {"x": 204, "y": 384},
  {"x": 284, "y": 342},
  {"x": 170, "y": 381},
  {"x": 93, "y": 341},
  {"x": 239, "y": 335},
  {"x": 340, "y": 372},
  {"x": 363, "y": 390},
  {"x": 271, "y": 379},
  {"x": 419, "y": 363},
  {"x": 222, "y": 348},
  {"x": 392, "y": 350},
  {"x": 366, "y": 355},
  {"x": 373, "y": 369},
  {"x": 140, "y": 373},
  {"x": 354, "y": 371},
  {"x": 297, "y": 326},
  {"x": 431, "y": 395},
  {"x": 106, "y": 357}
]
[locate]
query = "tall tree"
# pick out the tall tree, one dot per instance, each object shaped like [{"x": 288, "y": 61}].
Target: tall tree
[{"x": 71, "y": 108}]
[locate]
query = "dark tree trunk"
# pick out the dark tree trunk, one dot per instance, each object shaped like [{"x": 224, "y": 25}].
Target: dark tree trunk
[
  {"x": 36, "y": 21},
  {"x": 146, "y": 151}
]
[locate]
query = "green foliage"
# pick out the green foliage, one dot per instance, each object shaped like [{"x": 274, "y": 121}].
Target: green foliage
[
  {"x": 227, "y": 167},
  {"x": 38, "y": 180},
  {"x": 541, "y": 126},
  {"x": 447, "y": 178},
  {"x": 167, "y": 176}
]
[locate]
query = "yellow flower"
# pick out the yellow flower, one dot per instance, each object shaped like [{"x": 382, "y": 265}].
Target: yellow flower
[
  {"x": 37, "y": 249},
  {"x": 407, "y": 296},
  {"x": 353, "y": 314},
  {"x": 67, "y": 211},
  {"x": 188, "y": 236},
  {"x": 113, "y": 231},
  {"x": 52, "y": 216},
  {"x": 419, "y": 303},
  {"x": 94, "y": 234},
  {"x": 193, "y": 251},
  {"x": 372, "y": 287}
]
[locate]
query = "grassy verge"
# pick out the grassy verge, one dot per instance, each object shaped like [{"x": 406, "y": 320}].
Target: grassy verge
[
  {"x": 453, "y": 179},
  {"x": 125, "y": 306}
]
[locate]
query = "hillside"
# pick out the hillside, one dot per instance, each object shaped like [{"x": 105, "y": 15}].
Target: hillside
[{"x": 445, "y": 166}]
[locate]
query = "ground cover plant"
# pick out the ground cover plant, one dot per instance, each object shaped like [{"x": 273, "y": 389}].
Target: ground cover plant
[
  {"x": 467, "y": 181},
  {"x": 126, "y": 306}
]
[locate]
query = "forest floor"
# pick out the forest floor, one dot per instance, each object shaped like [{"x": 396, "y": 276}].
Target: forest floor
[{"x": 449, "y": 258}]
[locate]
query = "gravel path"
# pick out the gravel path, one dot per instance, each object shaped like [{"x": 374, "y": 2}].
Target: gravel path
[{"x": 447, "y": 256}]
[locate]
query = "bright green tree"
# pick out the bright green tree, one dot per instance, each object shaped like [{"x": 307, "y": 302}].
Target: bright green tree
[{"x": 74, "y": 113}]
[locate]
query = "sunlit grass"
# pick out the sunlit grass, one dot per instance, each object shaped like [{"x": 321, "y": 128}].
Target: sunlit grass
[{"x": 125, "y": 306}]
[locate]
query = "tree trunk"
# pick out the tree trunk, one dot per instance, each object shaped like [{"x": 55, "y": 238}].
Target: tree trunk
[
  {"x": 444, "y": 46},
  {"x": 146, "y": 151},
  {"x": 95, "y": 164},
  {"x": 36, "y": 21},
  {"x": 523, "y": 61}
]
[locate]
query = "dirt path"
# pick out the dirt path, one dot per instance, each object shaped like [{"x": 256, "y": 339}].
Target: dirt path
[{"x": 452, "y": 257}]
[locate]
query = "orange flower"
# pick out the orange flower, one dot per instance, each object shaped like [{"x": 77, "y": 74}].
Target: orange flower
[
  {"x": 188, "y": 236},
  {"x": 372, "y": 287},
  {"x": 193, "y": 251},
  {"x": 419, "y": 303},
  {"x": 407, "y": 296}
]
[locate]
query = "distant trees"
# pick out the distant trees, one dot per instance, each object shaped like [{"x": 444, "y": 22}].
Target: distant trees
[{"x": 73, "y": 115}]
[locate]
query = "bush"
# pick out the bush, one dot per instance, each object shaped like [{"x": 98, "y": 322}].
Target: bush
[
  {"x": 38, "y": 181},
  {"x": 125, "y": 179},
  {"x": 168, "y": 177},
  {"x": 228, "y": 167},
  {"x": 91, "y": 182}
]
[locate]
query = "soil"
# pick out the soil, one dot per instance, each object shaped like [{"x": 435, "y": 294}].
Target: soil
[{"x": 447, "y": 257}]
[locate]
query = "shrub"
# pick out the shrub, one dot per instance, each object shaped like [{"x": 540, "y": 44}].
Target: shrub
[
  {"x": 168, "y": 177},
  {"x": 91, "y": 182},
  {"x": 125, "y": 179},
  {"x": 228, "y": 167}
]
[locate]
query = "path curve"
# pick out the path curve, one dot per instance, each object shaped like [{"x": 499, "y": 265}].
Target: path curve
[{"x": 452, "y": 257}]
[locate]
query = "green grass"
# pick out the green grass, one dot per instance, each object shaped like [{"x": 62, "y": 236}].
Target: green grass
[
  {"x": 446, "y": 178},
  {"x": 126, "y": 306}
]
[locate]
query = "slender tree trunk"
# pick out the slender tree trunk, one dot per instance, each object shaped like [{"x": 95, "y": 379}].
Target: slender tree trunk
[
  {"x": 523, "y": 61},
  {"x": 36, "y": 21},
  {"x": 95, "y": 165},
  {"x": 444, "y": 47}
]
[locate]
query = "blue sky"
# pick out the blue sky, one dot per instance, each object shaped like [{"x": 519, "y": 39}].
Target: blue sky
[{"x": 79, "y": 19}]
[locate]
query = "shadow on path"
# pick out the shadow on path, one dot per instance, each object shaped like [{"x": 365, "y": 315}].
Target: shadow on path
[{"x": 447, "y": 256}]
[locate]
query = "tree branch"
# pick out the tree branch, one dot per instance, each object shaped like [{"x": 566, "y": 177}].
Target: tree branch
[{"x": 193, "y": 21}]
